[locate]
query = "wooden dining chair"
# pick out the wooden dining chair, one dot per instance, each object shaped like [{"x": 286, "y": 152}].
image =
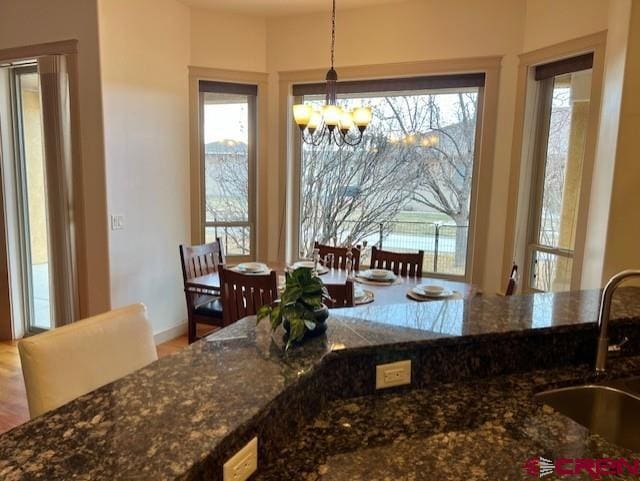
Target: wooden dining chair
[
  {"x": 243, "y": 294},
  {"x": 512, "y": 284},
  {"x": 339, "y": 255},
  {"x": 401, "y": 263},
  {"x": 341, "y": 295},
  {"x": 203, "y": 306}
]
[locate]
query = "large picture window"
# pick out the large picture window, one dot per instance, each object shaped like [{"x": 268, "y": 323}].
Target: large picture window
[
  {"x": 228, "y": 122},
  {"x": 408, "y": 185},
  {"x": 563, "y": 118}
]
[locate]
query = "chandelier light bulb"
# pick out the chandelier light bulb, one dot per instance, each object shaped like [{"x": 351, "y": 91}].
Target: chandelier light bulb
[
  {"x": 315, "y": 120},
  {"x": 362, "y": 116},
  {"x": 302, "y": 114},
  {"x": 331, "y": 115},
  {"x": 346, "y": 120}
]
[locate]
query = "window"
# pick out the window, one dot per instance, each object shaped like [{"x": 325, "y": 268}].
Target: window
[
  {"x": 408, "y": 185},
  {"x": 228, "y": 113},
  {"x": 32, "y": 198},
  {"x": 563, "y": 115}
]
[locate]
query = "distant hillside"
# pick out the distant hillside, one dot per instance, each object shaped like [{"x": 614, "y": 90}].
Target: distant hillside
[{"x": 225, "y": 147}]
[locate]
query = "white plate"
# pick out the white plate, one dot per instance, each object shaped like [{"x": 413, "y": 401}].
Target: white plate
[
  {"x": 422, "y": 293},
  {"x": 359, "y": 293},
  {"x": 378, "y": 274},
  {"x": 299, "y": 264},
  {"x": 252, "y": 267}
]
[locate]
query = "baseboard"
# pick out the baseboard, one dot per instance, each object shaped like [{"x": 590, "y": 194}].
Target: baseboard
[{"x": 171, "y": 333}]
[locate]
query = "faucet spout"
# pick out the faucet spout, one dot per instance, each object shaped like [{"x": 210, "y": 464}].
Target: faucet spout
[{"x": 605, "y": 314}]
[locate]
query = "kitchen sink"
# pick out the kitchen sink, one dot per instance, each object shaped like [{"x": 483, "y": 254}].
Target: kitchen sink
[
  {"x": 631, "y": 385},
  {"x": 606, "y": 410}
]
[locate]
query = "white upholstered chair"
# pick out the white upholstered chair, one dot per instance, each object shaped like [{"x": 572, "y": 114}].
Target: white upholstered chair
[{"x": 72, "y": 360}]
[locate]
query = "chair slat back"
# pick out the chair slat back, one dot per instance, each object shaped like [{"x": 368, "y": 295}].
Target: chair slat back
[
  {"x": 341, "y": 295},
  {"x": 339, "y": 255},
  {"x": 200, "y": 260},
  {"x": 401, "y": 263},
  {"x": 242, "y": 294}
]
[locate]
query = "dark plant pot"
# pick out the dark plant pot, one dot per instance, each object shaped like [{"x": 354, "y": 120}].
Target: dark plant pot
[{"x": 321, "y": 315}]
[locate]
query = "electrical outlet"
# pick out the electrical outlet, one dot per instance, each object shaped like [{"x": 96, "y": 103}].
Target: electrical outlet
[
  {"x": 242, "y": 464},
  {"x": 393, "y": 374},
  {"x": 117, "y": 222}
]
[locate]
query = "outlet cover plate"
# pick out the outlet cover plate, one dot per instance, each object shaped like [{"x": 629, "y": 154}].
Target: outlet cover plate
[
  {"x": 242, "y": 464},
  {"x": 393, "y": 374}
]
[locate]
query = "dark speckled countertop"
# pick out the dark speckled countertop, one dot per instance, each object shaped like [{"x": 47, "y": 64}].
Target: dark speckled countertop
[
  {"x": 474, "y": 430},
  {"x": 184, "y": 415}
]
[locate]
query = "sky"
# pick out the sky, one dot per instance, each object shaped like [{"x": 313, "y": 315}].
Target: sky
[{"x": 225, "y": 122}]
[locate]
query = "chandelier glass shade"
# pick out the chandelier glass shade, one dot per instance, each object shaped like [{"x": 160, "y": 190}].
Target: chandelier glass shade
[{"x": 332, "y": 122}]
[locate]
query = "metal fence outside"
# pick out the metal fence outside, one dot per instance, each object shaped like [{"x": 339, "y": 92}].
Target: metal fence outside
[{"x": 444, "y": 245}]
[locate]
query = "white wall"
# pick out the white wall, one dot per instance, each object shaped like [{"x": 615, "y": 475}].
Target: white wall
[
  {"x": 548, "y": 22},
  {"x": 145, "y": 49},
  {"x": 30, "y": 22},
  {"x": 624, "y": 220},
  {"x": 594, "y": 271},
  {"x": 228, "y": 41}
]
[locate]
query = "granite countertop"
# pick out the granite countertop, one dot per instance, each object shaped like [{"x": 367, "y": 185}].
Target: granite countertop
[
  {"x": 476, "y": 430},
  {"x": 182, "y": 416}
]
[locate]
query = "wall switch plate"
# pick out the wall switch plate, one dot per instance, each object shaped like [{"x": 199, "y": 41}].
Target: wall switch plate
[
  {"x": 117, "y": 222},
  {"x": 393, "y": 374},
  {"x": 242, "y": 464}
]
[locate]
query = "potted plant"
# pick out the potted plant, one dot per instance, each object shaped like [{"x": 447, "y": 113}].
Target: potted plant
[{"x": 300, "y": 309}]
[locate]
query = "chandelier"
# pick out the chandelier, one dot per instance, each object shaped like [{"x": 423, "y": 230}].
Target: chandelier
[{"x": 332, "y": 121}]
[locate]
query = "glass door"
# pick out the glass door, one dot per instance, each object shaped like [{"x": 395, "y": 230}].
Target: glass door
[{"x": 32, "y": 197}]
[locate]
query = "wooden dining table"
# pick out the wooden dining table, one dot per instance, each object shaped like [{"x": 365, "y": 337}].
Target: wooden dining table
[{"x": 395, "y": 293}]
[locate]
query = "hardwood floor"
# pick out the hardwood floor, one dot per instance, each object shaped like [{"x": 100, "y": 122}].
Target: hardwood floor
[{"x": 13, "y": 399}]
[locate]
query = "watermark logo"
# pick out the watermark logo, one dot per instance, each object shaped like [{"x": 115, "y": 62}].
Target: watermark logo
[
  {"x": 596, "y": 468},
  {"x": 539, "y": 467}
]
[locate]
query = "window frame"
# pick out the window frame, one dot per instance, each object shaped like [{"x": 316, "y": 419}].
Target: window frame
[
  {"x": 251, "y": 91},
  {"x": 586, "y": 272},
  {"x": 257, "y": 190},
  {"x": 544, "y": 76},
  {"x": 22, "y": 208},
  {"x": 431, "y": 74}
]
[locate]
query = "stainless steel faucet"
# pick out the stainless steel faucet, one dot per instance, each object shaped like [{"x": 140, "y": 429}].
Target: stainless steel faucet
[{"x": 603, "y": 319}]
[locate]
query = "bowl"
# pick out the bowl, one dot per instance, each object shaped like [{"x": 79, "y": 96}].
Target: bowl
[
  {"x": 432, "y": 289},
  {"x": 305, "y": 264},
  {"x": 252, "y": 267},
  {"x": 379, "y": 273}
]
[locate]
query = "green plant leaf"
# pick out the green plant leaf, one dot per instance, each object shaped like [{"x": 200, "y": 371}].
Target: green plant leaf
[
  {"x": 291, "y": 294},
  {"x": 296, "y": 329},
  {"x": 263, "y": 311},
  {"x": 313, "y": 302},
  {"x": 276, "y": 317}
]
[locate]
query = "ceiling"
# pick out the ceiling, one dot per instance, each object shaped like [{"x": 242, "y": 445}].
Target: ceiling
[{"x": 274, "y": 8}]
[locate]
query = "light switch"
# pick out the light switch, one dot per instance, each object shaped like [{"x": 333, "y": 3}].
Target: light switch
[{"x": 117, "y": 222}]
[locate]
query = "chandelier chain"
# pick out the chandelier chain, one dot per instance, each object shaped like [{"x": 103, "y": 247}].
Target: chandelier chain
[{"x": 333, "y": 33}]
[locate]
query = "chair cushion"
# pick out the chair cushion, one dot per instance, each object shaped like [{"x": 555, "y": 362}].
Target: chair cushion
[
  {"x": 212, "y": 309},
  {"x": 72, "y": 360}
]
